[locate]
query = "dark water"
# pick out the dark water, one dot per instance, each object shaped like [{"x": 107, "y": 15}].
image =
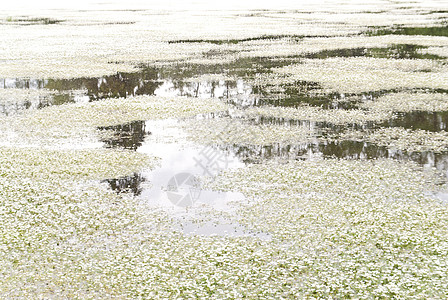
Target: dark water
[
  {"x": 343, "y": 149},
  {"x": 432, "y": 31},
  {"x": 23, "y": 21},
  {"x": 441, "y": 30},
  {"x": 126, "y": 136},
  {"x": 127, "y": 184},
  {"x": 430, "y": 121},
  {"x": 397, "y": 51},
  {"x": 353, "y": 150},
  {"x": 174, "y": 80},
  {"x": 237, "y": 41}
]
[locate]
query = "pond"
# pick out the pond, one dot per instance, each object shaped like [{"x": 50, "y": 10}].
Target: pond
[
  {"x": 259, "y": 153},
  {"x": 233, "y": 83}
]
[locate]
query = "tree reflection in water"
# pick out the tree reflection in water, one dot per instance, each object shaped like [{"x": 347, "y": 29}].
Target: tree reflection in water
[
  {"x": 126, "y": 136},
  {"x": 127, "y": 184}
]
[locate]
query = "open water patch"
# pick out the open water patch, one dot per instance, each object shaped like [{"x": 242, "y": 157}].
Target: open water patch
[
  {"x": 127, "y": 184},
  {"x": 175, "y": 185},
  {"x": 125, "y": 136},
  {"x": 429, "y": 30},
  {"x": 346, "y": 149},
  {"x": 424, "y": 120},
  {"x": 235, "y": 82},
  {"x": 26, "y": 21},
  {"x": 237, "y": 41},
  {"x": 397, "y": 51}
]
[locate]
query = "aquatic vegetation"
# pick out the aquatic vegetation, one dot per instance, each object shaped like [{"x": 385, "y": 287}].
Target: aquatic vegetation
[
  {"x": 126, "y": 136},
  {"x": 370, "y": 224},
  {"x": 236, "y": 41},
  {"x": 326, "y": 216},
  {"x": 399, "y": 51},
  {"x": 390, "y": 46},
  {"x": 16, "y": 100},
  {"x": 32, "y": 21},
  {"x": 69, "y": 68},
  {"x": 121, "y": 110},
  {"x": 425, "y": 120},
  {"x": 226, "y": 131},
  {"x": 406, "y": 102},
  {"x": 21, "y": 95},
  {"x": 74, "y": 125},
  {"x": 116, "y": 40},
  {"x": 439, "y": 51},
  {"x": 316, "y": 114},
  {"x": 76, "y": 217},
  {"x": 433, "y": 31},
  {"x": 356, "y": 75},
  {"x": 89, "y": 164},
  {"x": 397, "y": 138},
  {"x": 87, "y": 241}
]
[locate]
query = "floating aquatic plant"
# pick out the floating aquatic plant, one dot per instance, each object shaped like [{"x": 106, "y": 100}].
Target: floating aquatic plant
[
  {"x": 88, "y": 164},
  {"x": 356, "y": 75},
  {"x": 21, "y": 95},
  {"x": 341, "y": 229},
  {"x": 440, "y": 51},
  {"x": 75, "y": 124},
  {"x": 227, "y": 131},
  {"x": 365, "y": 222},
  {"x": 398, "y": 138},
  {"x": 316, "y": 114},
  {"x": 406, "y": 102}
]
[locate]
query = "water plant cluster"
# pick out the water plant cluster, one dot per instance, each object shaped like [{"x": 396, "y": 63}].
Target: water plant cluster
[{"x": 336, "y": 118}]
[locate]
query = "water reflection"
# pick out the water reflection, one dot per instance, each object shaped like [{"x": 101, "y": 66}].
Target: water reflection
[
  {"x": 397, "y": 51},
  {"x": 22, "y": 83},
  {"x": 185, "y": 159},
  {"x": 343, "y": 149},
  {"x": 31, "y": 21},
  {"x": 354, "y": 150},
  {"x": 401, "y": 51},
  {"x": 236, "y": 41},
  {"x": 171, "y": 184},
  {"x": 127, "y": 184},
  {"x": 121, "y": 84},
  {"x": 430, "y": 121},
  {"x": 177, "y": 159},
  {"x": 148, "y": 81},
  {"x": 14, "y": 104},
  {"x": 303, "y": 92},
  {"x": 215, "y": 81},
  {"x": 232, "y": 90},
  {"x": 13, "y": 107},
  {"x": 318, "y": 128},
  {"x": 423, "y": 120},
  {"x": 126, "y": 136},
  {"x": 432, "y": 31},
  {"x": 232, "y": 81}
]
